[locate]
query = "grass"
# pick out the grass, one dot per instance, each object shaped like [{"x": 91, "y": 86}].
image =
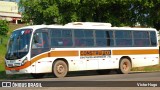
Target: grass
[
  {"x": 148, "y": 68},
  {"x": 3, "y": 51}
]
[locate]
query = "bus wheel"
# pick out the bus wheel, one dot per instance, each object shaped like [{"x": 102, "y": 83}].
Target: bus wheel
[
  {"x": 101, "y": 72},
  {"x": 124, "y": 66},
  {"x": 37, "y": 75},
  {"x": 60, "y": 69}
]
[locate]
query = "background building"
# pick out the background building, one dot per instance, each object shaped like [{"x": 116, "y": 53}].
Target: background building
[{"x": 9, "y": 12}]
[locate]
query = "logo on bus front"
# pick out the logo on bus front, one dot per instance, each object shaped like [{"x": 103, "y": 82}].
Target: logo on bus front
[{"x": 95, "y": 54}]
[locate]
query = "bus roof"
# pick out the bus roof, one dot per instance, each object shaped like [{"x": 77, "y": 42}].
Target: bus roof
[{"x": 87, "y": 25}]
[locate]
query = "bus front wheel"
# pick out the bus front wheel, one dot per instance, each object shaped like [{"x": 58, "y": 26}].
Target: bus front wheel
[
  {"x": 124, "y": 66},
  {"x": 60, "y": 69}
]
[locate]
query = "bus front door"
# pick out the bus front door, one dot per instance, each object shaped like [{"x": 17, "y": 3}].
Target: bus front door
[{"x": 40, "y": 46}]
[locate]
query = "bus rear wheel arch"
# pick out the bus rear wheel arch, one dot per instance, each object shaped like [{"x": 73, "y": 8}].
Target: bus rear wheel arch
[
  {"x": 60, "y": 68},
  {"x": 125, "y": 65}
]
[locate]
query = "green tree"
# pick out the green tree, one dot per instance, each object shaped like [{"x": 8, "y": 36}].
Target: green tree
[
  {"x": 117, "y": 12},
  {"x": 147, "y": 12},
  {"x": 3, "y": 27},
  {"x": 40, "y": 11}
]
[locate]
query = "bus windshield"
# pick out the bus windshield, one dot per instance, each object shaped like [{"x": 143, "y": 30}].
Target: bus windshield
[{"x": 18, "y": 45}]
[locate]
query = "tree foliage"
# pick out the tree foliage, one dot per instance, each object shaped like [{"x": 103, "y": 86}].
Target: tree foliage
[
  {"x": 117, "y": 12},
  {"x": 3, "y": 27}
]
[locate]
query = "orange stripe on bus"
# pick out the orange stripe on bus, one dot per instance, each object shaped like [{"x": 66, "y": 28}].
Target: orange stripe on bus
[
  {"x": 51, "y": 54},
  {"x": 63, "y": 53},
  {"x": 75, "y": 53},
  {"x": 135, "y": 52},
  {"x": 39, "y": 57}
]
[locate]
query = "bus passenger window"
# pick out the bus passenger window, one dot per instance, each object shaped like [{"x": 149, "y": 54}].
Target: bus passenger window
[
  {"x": 153, "y": 38},
  {"x": 67, "y": 42},
  {"x": 89, "y": 42},
  {"x": 80, "y": 42},
  {"x": 101, "y": 42},
  {"x": 141, "y": 38}
]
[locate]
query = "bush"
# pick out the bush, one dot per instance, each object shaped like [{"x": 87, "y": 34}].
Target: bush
[{"x": 3, "y": 27}]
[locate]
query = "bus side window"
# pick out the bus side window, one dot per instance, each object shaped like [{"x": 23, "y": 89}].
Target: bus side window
[
  {"x": 77, "y": 42},
  {"x": 141, "y": 38},
  {"x": 153, "y": 38},
  {"x": 80, "y": 42},
  {"x": 67, "y": 42}
]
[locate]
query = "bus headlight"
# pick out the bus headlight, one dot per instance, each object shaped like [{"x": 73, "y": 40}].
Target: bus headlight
[{"x": 24, "y": 61}]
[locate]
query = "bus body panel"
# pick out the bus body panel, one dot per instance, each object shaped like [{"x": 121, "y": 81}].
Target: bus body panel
[
  {"x": 86, "y": 58},
  {"x": 78, "y": 63}
]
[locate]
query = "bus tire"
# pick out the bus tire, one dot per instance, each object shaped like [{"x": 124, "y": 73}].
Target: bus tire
[
  {"x": 60, "y": 69},
  {"x": 102, "y": 72},
  {"x": 37, "y": 75},
  {"x": 124, "y": 66}
]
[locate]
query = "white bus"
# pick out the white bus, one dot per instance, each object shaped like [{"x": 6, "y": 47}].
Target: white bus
[{"x": 80, "y": 46}]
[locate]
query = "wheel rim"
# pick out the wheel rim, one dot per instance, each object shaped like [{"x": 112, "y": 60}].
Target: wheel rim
[
  {"x": 125, "y": 66},
  {"x": 60, "y": 69}
]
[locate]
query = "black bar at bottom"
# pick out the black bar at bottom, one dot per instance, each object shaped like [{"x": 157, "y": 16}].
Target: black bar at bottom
[{"x": 79, "y": 83}]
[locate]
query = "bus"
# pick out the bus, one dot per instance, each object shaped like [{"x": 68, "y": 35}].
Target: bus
[{"x": 80, "y": 46}]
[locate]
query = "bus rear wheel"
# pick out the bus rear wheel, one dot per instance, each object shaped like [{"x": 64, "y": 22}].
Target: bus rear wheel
[
  {"x": 124, "y": 66},
  {"x": 60, "y": 69}
]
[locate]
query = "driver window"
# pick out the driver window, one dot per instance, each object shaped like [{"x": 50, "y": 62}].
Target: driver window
[{"x": 40, "y": 40}]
